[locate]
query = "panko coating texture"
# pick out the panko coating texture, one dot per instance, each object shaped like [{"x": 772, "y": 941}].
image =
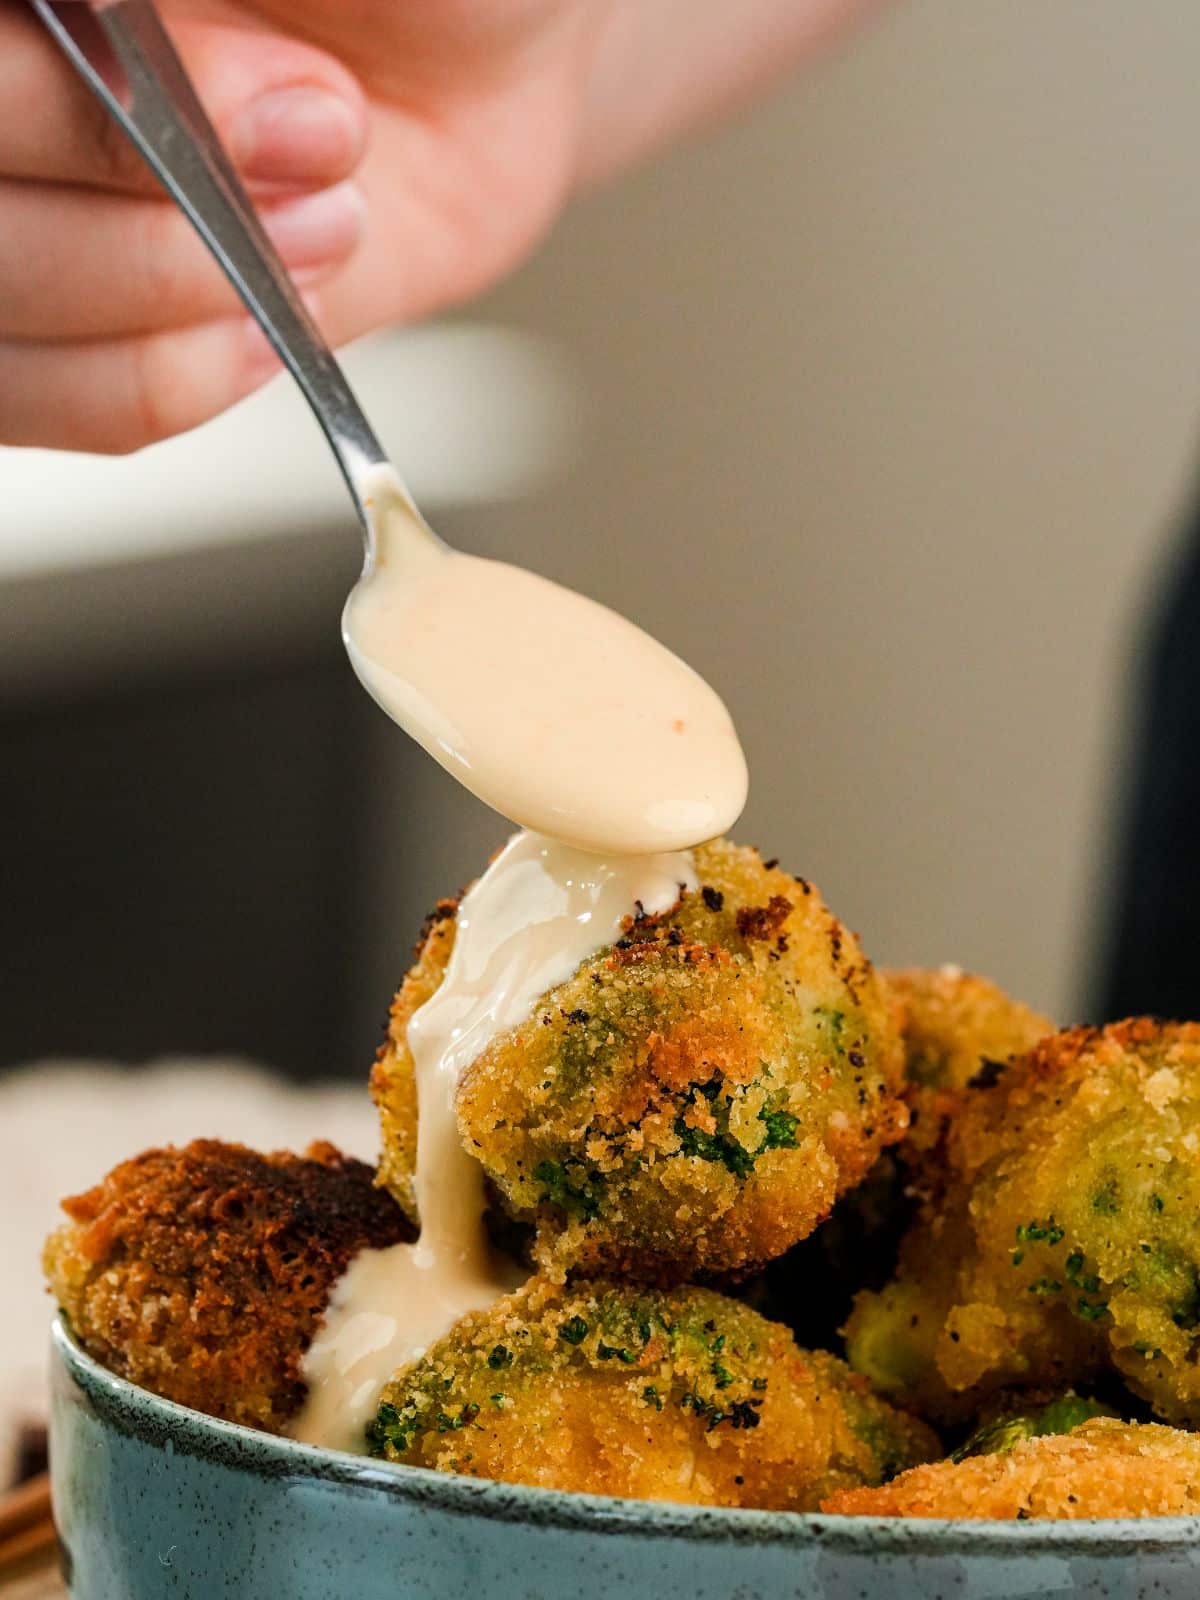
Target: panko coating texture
[
  {"x": 1102, "y": 1469},
  {"x": 958, "y": 1029},
  {"x": 202, "y": 1274},
  {"x": 1066, "y": 1246},
  {"x": 1015, "y": 1418},
  {"x": 693, "y": 1099},
  {"x": 678, "y": 1395},
  {"x": 393, "y": 1077}
]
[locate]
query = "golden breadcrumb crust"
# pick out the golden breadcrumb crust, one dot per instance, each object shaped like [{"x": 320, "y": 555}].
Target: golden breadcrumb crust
[
  {"x": 959, "y": 1031},
  {"x": 1066, "y": 1243},
  {"x": 393, "y": 1082},
  {"x": 1102, "y": 1469},
  {"x": 664, "y": 1395},
  {"x": 693, "y": 1099}
]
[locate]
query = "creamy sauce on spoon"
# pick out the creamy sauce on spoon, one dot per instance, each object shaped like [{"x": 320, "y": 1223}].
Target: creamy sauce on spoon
[
  {"x": 554, "y": 710},
  {"x": 539, "y": 910}
]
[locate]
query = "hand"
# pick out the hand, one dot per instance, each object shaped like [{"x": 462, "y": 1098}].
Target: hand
[{"x": 404, "y": 154}]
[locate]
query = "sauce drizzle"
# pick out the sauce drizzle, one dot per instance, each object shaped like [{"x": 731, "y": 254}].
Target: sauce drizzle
[{"x": 540, "y": 909}]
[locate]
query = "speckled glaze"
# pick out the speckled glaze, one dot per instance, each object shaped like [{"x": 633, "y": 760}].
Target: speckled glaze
[{"x": 154, "y": 1500}]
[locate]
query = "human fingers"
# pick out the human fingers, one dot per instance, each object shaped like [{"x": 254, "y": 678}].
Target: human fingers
[
  {"x": 77, "y": 264},
  {"x": 288, "y": 113},
  {"x": 115, "y": 395}
]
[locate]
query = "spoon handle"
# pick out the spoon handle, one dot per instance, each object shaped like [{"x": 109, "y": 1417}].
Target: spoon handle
[{"x": 125, "y": 56}]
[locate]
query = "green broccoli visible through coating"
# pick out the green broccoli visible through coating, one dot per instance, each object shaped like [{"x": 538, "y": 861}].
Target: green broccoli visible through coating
[
  {"x": 1003, "y": 1433},
  {"x": 668, "y": 1394}
]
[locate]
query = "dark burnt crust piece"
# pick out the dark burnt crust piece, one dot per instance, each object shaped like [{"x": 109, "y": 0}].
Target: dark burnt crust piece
[{"x": 203, "y": 1272}]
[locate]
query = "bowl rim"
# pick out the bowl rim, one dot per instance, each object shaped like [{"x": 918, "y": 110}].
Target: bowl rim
[{"x": 139, "y": 1413}]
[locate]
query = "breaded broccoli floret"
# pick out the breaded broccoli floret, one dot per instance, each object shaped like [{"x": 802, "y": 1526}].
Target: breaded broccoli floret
[
  {"x": 203, "y": 1273},
  {"x": 1017, "y": 1418},
  {"x": 1102, "y": 1469},
  {"x": 693, "y": 1099},
  {"x": 667, "y": 1395},
  {"x": 958, "y": 1031},
  {"x": 393, "y": 1077},
  {"x": 1066, "y": 1245}
]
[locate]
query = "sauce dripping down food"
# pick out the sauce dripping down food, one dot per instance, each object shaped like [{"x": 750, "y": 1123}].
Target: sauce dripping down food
[{"x": 538, "y": 912}]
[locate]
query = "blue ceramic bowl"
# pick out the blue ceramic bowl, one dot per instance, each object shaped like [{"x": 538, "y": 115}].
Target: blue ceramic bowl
[{"x": 154, "y": 1500}]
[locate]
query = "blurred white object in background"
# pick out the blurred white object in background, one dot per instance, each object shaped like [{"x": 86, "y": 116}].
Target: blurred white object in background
[
  {"x": 67, "y": 1124},
  {"x": 476, "y": 413},
  {"x": 238, "y": 539}
]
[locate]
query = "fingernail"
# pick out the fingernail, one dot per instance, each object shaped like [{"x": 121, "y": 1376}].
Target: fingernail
[
  {"x": 298, "y": 135},
  {"x": 317, "y": 227}
]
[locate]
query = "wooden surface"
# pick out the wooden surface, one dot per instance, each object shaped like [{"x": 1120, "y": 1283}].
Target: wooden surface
[
  {"x": 28, "y": 1545},
  {"x": 41, "y": 1582}
]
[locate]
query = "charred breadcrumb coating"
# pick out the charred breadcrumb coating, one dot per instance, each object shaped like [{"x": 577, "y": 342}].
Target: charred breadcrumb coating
[
  {"x": 202, "y": 1273},
  {"x": 693, "y": 1099},
  {"x": 1102, "y": 1469},
  {"x": 1066, "y": 1246},
  {"x": 665, "y": 1395}
]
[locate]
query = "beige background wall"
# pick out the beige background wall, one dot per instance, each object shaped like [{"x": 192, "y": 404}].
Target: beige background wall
[
  {"x": 892, "y": 398},
  {"x": 895, "y": 394}
]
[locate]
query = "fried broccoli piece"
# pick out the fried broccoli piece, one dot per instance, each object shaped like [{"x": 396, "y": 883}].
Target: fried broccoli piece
[
  {"x": 655, "y": 1394},
  {"x": 203, "y": 1273},
  {"x": 1032, "y": 1417},
  {"x": 693, "y": 1099},
  {"x": 1065, "y": 1246},
  {"x": 958, "y": 1031},
  {"x": 1103, "y": 1468},
  {"x": 393, "y": 1078}
]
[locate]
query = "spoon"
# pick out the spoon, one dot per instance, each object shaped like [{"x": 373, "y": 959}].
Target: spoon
[{"x": 558, "y": 713}]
